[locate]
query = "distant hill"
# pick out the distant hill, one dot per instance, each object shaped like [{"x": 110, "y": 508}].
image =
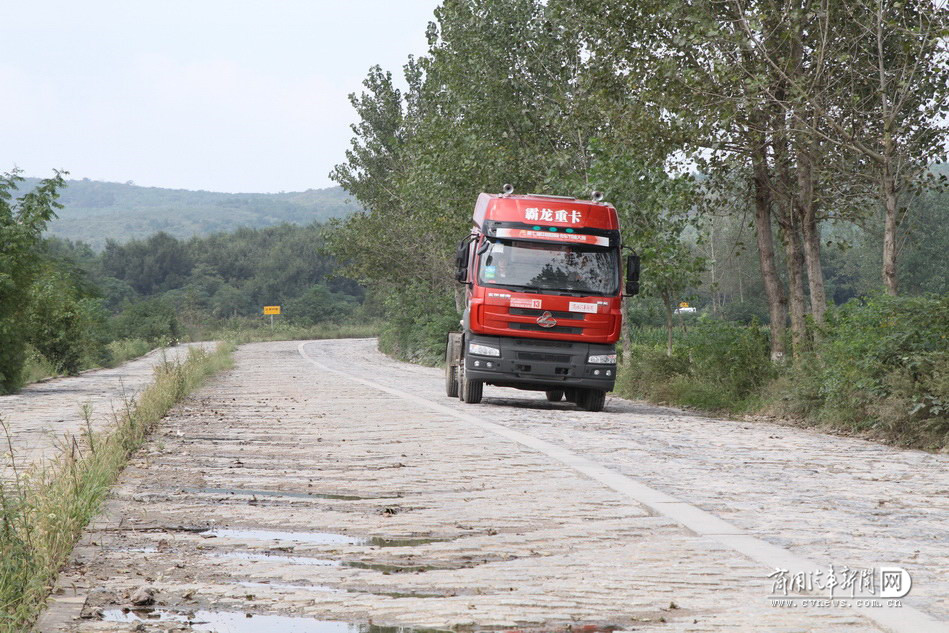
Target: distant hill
[{"x": 95, "y": 211}]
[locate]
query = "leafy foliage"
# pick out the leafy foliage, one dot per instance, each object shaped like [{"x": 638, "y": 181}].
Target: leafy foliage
[
  {"x": 153, "y": 320},
  {"x": 716, "y": 365},
  {"x": 67, "y": 325},
  {"x": 22, "y": 221}
]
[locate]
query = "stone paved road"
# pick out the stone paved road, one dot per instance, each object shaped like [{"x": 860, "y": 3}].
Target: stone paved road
[
  {"x": 287, "y": 493},
  {"x": 42, "y": 414}
]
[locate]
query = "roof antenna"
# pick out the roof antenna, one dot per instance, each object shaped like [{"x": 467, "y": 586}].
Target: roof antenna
[
  {"x": 507, "y": 189},
  {"x": 597, "y": 196}
]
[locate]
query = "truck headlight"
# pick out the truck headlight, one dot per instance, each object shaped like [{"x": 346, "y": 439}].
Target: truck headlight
[
  {"x": 483, "y": 350},
  {"x": 602, "y": 359}
]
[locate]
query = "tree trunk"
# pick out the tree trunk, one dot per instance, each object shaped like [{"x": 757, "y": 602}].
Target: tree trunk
[
  {"x": 887, "y": 180},
  {"x": 667, "y": 301},
  {"x": 811, "y": 231},
  {"x": 774, "y": 291},
  {"x": 794, "y": 254},
  {"x": 889, "y": 231},
  {"x": 790, "y": 230}
]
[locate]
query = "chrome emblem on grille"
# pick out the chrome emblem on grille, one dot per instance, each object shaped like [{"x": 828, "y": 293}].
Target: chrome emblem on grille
[{"x": 546, "y": 320}]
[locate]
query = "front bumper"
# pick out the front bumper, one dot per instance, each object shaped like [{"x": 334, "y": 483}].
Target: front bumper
[{"x": 539, "y": 364}]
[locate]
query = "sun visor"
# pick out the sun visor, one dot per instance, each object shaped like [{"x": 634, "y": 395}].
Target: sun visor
[{"x": 549, "y": 236}]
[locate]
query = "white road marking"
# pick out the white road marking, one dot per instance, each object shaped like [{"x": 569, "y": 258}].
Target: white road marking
[{"x": 903, "y": 619}]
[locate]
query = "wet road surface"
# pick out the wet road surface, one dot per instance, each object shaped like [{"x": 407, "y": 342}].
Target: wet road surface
[{"x": 324, "y": 487}]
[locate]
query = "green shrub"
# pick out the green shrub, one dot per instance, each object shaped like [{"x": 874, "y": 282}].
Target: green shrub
[
  {"x": 36, "y": 367},
  {"x": 734, "y": 356},
  {"x": 319, "y": 304},
  {"x": 65, "y": 326},
  {"x": 880, "y": 364},
  {"x": 645, "y": 312},
  {"x": 151, "y": 319},
  {"x": 417, "y": 324},
  {"x": 22, "y": 222},
  {"x": 746, "y": 312},
  {"x": 241, "y": 330},
  {"x": 717, "y": 365}
]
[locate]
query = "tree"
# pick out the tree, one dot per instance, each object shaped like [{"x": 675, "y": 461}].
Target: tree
[
  {"x": 22, "y": 221},
  {"x": 501, "y": 97},
  {"x": 655, "y": 210},
  {"x": 880, "y": 90},
  {"x": 66, "y": 323},
  {"x": 692, "y": 74}
]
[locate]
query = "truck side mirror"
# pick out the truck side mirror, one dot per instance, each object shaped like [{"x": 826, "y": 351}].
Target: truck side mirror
[
  {"x": 461, "y": 262},
  {"x": 632, "y": 275}
]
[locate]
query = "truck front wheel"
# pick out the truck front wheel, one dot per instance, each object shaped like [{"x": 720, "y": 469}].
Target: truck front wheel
[
  {"x": 555, "y": 396},
  {"x": 591, "y": 399},
  {"x": 470, "y": 391}
]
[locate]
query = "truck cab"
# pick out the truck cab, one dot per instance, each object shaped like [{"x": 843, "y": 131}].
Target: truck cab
[{"x": 543, "y": 298}]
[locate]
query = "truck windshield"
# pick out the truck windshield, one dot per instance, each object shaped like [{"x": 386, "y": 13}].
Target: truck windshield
[{"x": 571, "y": 268}]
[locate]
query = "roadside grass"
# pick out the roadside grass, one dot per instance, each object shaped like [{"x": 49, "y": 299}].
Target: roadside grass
[
  {"x": 715, "y": 366},
  {"x": 36, "y": 367},
  {"x": 124, "y": 350},
  {"x": 44, "y": 508}
]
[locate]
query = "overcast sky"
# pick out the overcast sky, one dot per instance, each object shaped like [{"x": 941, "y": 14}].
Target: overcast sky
[{"x": 223, "y": 95}]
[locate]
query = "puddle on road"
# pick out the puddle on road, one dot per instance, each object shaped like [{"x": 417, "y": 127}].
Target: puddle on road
[
  {"x": 291, "y": 587},
  {"x": 237, "y": 622},
  {"x": 315, "y": 538},
  {"x": 277, "y": 493},
  {"x": 405, "y": 594},
  {"x": 279, "y": 558},
  {"x": 386, "y": 568},
  {"x": 401, "y": 541},
  {"x": 322, "y": 538},
  {"x": 328, "y": 589},
  {"x": 234, "y": 622}
]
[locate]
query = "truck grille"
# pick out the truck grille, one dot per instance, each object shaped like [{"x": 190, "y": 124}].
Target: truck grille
[
  {"x": 579, "y": 316},
  {"x": 544, "y": 357},
  {"x": 539, "y": 342},
  {"x": 533, "y": 327}
]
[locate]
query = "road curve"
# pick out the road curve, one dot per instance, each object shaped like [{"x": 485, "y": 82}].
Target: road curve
[{"x": 325, "y": 482}]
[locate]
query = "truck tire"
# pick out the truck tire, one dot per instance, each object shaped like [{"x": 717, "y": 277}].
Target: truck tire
[
  {"x": 591, "y": 399},
  {"x": 470, "y": 391},
  {"x": 451, "y": 381},
  {"x": 453, "y": 356},
  {"x": 555, "y": 396}
]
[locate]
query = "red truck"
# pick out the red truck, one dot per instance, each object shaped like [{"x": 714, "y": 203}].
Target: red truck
[{"x": 543, "y": 298}]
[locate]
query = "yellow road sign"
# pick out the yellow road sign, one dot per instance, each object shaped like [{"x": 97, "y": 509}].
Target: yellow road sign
[
  {"x": 684, "y": 304},
  {"x": 271, "y": 309}
]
